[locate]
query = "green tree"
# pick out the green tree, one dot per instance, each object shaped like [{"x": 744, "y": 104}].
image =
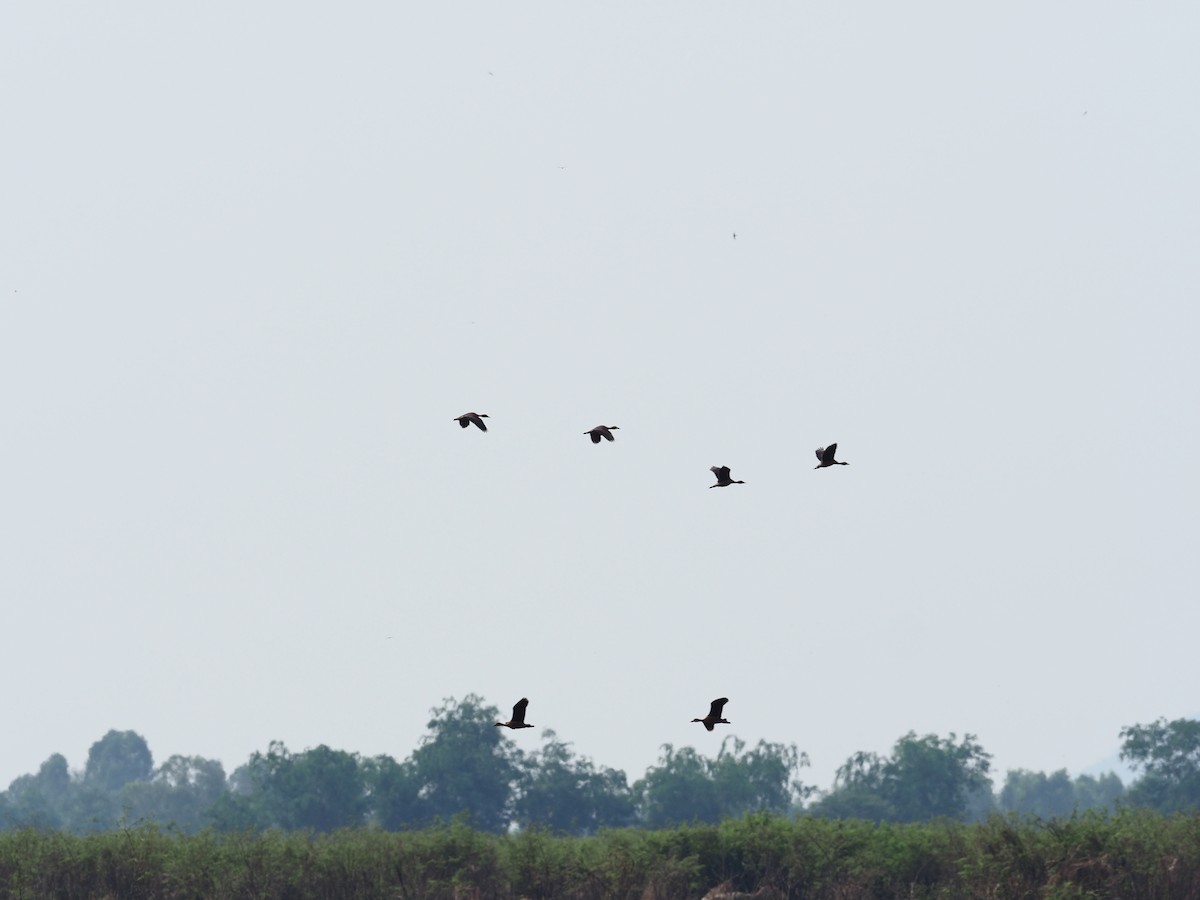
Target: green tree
[
  {"x": 179, "y": 793},
  {"x": 117, "y": 759},
  {"x": 762, "y": 779},
  {"x": 1168, "y": 756},
  {"x": 679, "y": 789},
  {"x": 565, "y": 793},
  {"x": 91, "y": 809},
  {"x": 932, "y": 776},
  {"x": 858, "y": 791},
  {"x": 1038, "y": 794},
  {"x": 42, "y": 800},
  {"x": 924, "y": 778},
  {"x": 1056, "y": 795},
  {"x": 1098, "y": 793},
  {"x": 327, "y": 790},
  {"x": 54, "y": 778},
  {"x": 464, "y": 766},
  {"x": 393, "y": 793},
  {"x": 688, "y": 787},
  {"x": 241, "y": 806},
  {"x": 320, "y": 789}
]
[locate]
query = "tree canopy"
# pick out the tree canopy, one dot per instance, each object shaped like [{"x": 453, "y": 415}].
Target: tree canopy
[
  {"x": 464, "y": 766},
  {"x": 562, "y": 792},
  {"x": 1057, "y": 795},
  {"x": 688, "y": 787},
  {"x": 1168, "y": 756},
  {"x": 924, "y": 778},
  {"x": 117, "y": 759}
]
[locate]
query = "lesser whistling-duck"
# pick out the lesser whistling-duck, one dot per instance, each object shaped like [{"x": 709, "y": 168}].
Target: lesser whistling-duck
[
  {"x": 714, "y": 714},
  {"x": 468, "y": 418},
  {"x": 825, "y": 457},
  {"x": 518, "y": 716},
  {"x": 723, "y": 479},
  {"x": 603, "y": 431}
]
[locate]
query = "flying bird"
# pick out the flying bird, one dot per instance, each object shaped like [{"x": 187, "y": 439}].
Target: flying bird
[
  {"x": 518, "y": 716},
  {"x": 603, "y": 431},
  {"x": 468, "y": 418},
  {"x": 723, "y": 479},
  {"x": 714, "y": 714},
  {"x": 825, "y": 457}
]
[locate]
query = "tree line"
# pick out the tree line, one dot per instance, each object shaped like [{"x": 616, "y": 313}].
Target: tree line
[{"x": 464, "y": 767}]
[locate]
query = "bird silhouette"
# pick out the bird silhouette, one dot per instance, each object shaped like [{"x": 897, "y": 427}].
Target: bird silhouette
[
  {"x": 468, "y": 418},
  {"x": 518, "y": 716},
  {"x": 723, "y": 479},
  {"x": 603, "y": 431},
  {"x": 825, "y": 457},
  {"x": 714, "y": 714}
]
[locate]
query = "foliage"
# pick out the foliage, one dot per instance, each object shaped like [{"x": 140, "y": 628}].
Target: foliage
[
  {"x": 688, "y": 787},
  {"x": 568, "y": 794},
  {"x": 1101, "y": 792},
  {"x": 1133, "y": 854},
  {"x": 924, "y": 778},
  {"x": 115, "y": 788},
  {"x": 179, "y": 793},
  {"x": 392, "y": 792},
  {"x": 1168, "y": 756},
  {"x": 320, "y": 789},
  {"x": 1057, "y": 795},
  {"x": 40, "y": 800},
  {"x": 117, "y": 759},
  {"x": 465, "y": 766}
]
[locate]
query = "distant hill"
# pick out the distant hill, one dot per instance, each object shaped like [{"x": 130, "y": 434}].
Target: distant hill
[{"x": 1112, "y": 763}]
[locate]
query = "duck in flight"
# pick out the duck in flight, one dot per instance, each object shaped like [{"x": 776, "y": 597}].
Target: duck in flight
[
  {"x": 723, "y": 479},
  {"x": 603, "y": 431},
  {"x": 714, "y": 714},
  {"x": 825, "y": 457},
  {"x": 472, "y": 418},
  {"x": 518, "y": 716}
]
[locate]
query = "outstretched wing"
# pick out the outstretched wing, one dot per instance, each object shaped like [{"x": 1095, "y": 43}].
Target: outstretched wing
[
  {"x": 463, "y": 421},
  {"x": 829, "y": 451},
  {"x": 595, "y": 436},
  {"x": 608, "y": 435},
  {"x": 519, "y": 711},
  {"x": 714, "y": 711},
  {"x": 478, "y": 421},
  {"x": 722, "y": 472},
  {"x": 820, "y": 454}
]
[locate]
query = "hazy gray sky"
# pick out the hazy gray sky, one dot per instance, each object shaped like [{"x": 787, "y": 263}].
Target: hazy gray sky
[{"x": 255, "y": 258}]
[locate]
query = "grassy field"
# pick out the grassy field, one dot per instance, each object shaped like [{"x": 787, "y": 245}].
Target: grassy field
[{"x": 1129, "y": 855}]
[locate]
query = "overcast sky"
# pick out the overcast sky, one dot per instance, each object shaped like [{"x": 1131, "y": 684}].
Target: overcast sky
[{"x": 254, "y": 258}]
